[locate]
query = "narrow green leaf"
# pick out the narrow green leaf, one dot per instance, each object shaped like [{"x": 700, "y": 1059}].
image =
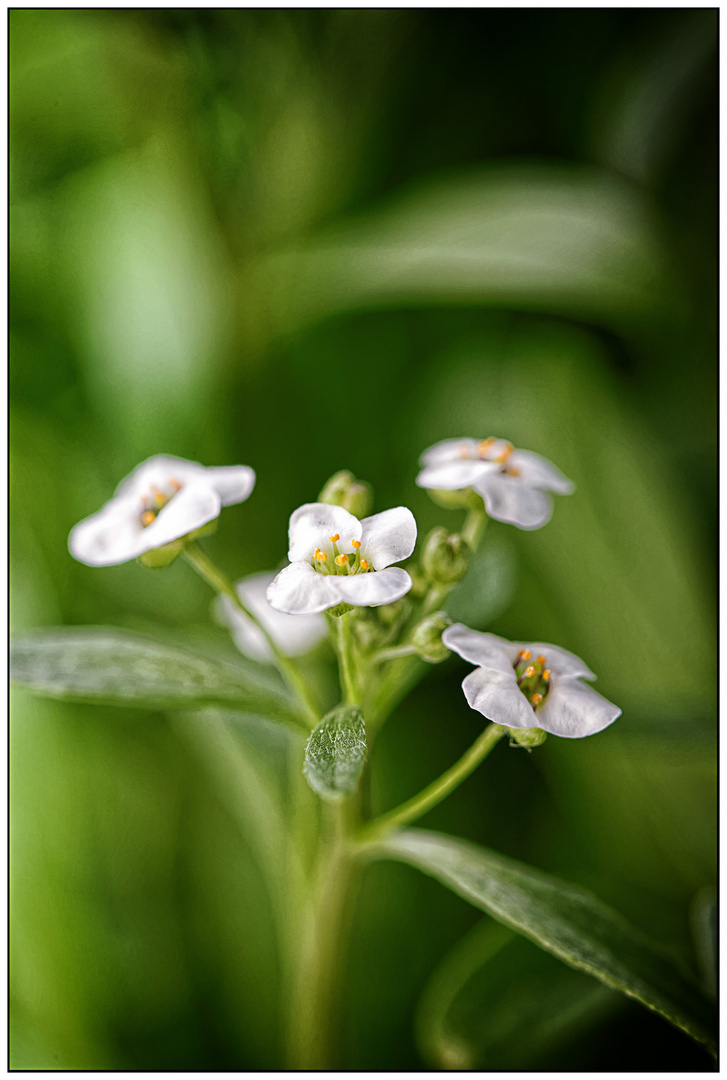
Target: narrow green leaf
[
  {"x": 496, "y": 1001},
  {"x": 110, "y": 666},
  {"x": 563, "y": 919},
  {"x": 335, "y": 753}
]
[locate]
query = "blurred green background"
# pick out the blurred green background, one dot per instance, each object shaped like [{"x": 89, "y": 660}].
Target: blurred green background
[{"x": 310, "y": 240}]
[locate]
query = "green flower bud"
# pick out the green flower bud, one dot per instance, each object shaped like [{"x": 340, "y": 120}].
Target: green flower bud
[
  {"x": 445, "y": 557},
  {"x": 527, "y": 737},
  {"x": 343, "y": 489},
  {"x": 455, "y": 500},
  {"x": 427, "y": 638}
]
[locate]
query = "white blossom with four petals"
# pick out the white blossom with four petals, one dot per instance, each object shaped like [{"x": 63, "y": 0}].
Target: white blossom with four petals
[
  {"x": 162, "y": 500},
  {"x": 293, "y": 635},
  {"x": 314, "y": 581},
  {"x": 514, "y": 484},
  {"x": 570, "y": 708}
]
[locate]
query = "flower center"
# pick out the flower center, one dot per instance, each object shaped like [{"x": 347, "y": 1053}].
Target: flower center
[
  {"x": 341, "y": 563},
  {"x": 492, "y": 449},
  {"x": 154, "y": 502},
  {"x": 533, "y": 678}
]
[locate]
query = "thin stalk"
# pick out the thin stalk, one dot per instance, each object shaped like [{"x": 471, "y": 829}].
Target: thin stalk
[
  {"x": 474, "y": 525},
  {"x": 346, "y": 663},
  {"x": 438, "y": 790},
  {"x": 394, "y": 653},
  {"x": 214, "y": 577}
]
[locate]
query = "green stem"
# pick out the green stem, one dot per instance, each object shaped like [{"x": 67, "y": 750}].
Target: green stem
[
  {"x": 222, "y": 584},
  {"x": 394, "y": 653},
  {"x": 438, "y": 790},
  {"x": 346, "y": 664},
  {"x": 474, "y": 525}
]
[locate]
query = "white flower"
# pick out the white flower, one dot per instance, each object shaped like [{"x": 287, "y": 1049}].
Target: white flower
[
  {"x": 529, "y": 685},
  {"x": 162, "y": 500},
  {"x": 293, "y": 635},
  {"x": 513, "y": 483},
  {"x": 335, "y": 558}
]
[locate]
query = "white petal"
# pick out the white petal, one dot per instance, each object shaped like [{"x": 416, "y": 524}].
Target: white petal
[
  {"x": 193, "y": 506},
  {"x": 496, "y": 696},
  {"x": 564, "y": 664},
  {"x": 300, "y": 590},
  {"x": 157, "y": 471},
  {"x": 293, "y": 634},
  {"x": 510, "y": 500},
  {"x": 573, "y": 710},
  {"x": 113, "y": 535},
  {"x": 453, "y": 475},
  {"x": 313, "y": 523},
  {"x": 450, "y": 450},
  {"x": 539, "y": 472},
  {"x": 388, "y": 537},
  {"x": 375, "y": 589},
  {"x": 233, "y": 483},
  {"x": 485, "y": 650}
]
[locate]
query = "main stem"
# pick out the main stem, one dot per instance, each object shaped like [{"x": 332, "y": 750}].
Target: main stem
[
  {"x": 438, "y": 790},
  {"x": 346, "y": 662},
  {"x": 222, "y": 584}
]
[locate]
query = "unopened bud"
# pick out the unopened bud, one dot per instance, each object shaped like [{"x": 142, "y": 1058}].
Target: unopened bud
[
  {"x": 445, "y": 557},
  {"x": 343, "y": 489},
  {"x": 527, "y": 736},
  {"x": 427, "y": 638}
]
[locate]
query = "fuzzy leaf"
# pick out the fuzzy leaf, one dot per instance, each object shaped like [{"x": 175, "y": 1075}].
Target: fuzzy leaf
[
  {"x": 335, "y": 753},
  {"x": 563, "y": 919}
]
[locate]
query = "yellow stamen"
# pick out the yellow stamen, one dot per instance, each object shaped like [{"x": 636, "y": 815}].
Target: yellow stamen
[
  {"x": 147, "y": 517},
  {"x": 341, "y": 560},
  {"x": 524, "y": 654},
  {"x": 355, "y": 544},
  {"x": 485, "y": 445},
  {"x": 320, "y": 556},
  {"x": 512, "y": 471},
  {"x": 174, "y": 485},
  {"x": 336, "y": 536},
  {"x": 529, "y": 670},
  {"x": 541, "y": 659},
  {"x": 536, "y": 699},
  {"x": 504, "y": 454},
  {"x": 546, "y": 675},
  {"x": 364, "y": 565}
]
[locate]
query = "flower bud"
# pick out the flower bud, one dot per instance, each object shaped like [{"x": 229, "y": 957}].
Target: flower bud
[
  {"x": 427, "y": 638},
  {"x": 343, "y": 489},
  {"x": 445, "y": 557},
  {"x": 466, "y": 498},
  {"x": 527, "y": 737}
]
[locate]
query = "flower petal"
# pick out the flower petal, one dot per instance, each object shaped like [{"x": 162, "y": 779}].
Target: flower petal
[
  {"x": 300, "y": 590},
  {"x": 374, "y": 589},
  {"x": 233, "y": 483},
  {"x": 510, "y": 500},
  {"x": 453, "y": 475},
  {"x": 564, "y": 664},
  {"x": 193, "y": 506},
  {"x": 388, "y": 537},
  {"x": 450, "y": 450},
  {"x": 313, "y": 523},
  {"x": 573, "y": 710},
  {"x": 293, "y": 634},
  {"x": 113, "y": 535},
  {"x": 157, "y": 471},
  {"x": 496, "y": 695},
  {"x": 539, "y": 472},
  {"x": 485, "y": 650}
]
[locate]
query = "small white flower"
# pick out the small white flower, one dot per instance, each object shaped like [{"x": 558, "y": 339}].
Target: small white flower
[
  {"x": 335, "y": 558},
  {"x": 293, "y": 635},
  {"x": 529, "y": 685},
  {"x": 162, "y": 500},
  {"x": 513, "y": 483}
]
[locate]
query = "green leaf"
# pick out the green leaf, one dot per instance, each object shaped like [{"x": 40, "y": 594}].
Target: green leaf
[
  {"x": 109, "y": 666},
  {"x": 563, "y": 919},
  {"x": 335, "y": 753},
  {"x": 498, "y": 1002}
]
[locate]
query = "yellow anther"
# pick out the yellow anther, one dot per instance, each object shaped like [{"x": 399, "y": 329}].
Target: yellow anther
[
  {"x": 174, "y": 485},
  {"x": 529, "y": 670},
  {"x": 336, "y": 536},
  {"x": 536, "y": 699},
  {"x": 485, "y": 445},
  {"x": 364, "y": 565},
  {"x": 524, "y": 654},
  {"x": 546, "y": 675},
  {"x": 320, "y": 556},
  {"x": 356, "y": 544},
  {"x": 147, "y": 517},
  {"x": 512, "y": 471},
  {"x": 504, "y": 454},
  {"x": 341, "y": 560},
  {"x": 541, "y": 660}
]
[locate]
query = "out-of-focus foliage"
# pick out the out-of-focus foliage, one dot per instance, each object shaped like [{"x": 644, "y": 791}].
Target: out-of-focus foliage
[{"x": 313, "y": 240}]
